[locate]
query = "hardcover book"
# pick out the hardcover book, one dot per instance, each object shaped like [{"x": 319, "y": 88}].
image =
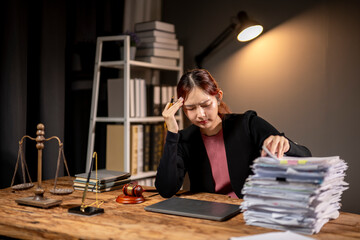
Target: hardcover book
[
  {"x": 134, "y": 149},
  {"x": 103, "y": 176},
  {"x": 155, "y": 33},
  {"x": 92, "y": 189},
  {"x": 158, "y": 60},
  {"x": 116, "y": 97},
  {"x": 158, "y": 45},
  {"x": 146, "y": 165},
  {"x": 159, "y": 40},
  {"x": 79, "y": 183},
  {"x": 157, "y": 52},
  {"x": 151, "y": 25}
]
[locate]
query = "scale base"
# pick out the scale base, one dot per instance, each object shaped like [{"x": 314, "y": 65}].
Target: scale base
[
  {"x": 38, "y": 202},
  {"x": 88, "y": 211},
  {"x": 129, "y": 199}
]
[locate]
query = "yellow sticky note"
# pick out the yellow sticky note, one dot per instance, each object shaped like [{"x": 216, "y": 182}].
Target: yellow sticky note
[
  {"x": 302, "y": 161},
  {"x": 284, "y": 161}
]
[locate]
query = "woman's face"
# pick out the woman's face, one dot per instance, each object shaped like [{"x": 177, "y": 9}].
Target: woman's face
[{"x": 202, "y": 109}]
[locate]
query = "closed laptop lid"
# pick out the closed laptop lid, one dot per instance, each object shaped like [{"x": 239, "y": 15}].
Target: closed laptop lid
[{"x": 195, "y": 208}]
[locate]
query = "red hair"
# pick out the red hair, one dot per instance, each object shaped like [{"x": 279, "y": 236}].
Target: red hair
[{"x": 200, "y": 78}]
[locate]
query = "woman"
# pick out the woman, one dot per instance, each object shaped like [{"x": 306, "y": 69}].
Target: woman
[{"x": 219, "y": 147}]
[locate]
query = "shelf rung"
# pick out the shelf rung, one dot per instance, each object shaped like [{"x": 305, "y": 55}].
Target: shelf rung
[
  {"x": 120, "y": 65},
  {"x": 109, "y": 119}
]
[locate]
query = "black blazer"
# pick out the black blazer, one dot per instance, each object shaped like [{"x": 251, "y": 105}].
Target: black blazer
[{"x": 185, "y": 152}]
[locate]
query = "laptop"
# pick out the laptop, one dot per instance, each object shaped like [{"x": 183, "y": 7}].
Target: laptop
[{"x": 195, "y": 208}]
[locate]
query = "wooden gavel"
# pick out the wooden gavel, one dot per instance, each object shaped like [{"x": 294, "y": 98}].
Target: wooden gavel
[{"x": 130, "y": 189}]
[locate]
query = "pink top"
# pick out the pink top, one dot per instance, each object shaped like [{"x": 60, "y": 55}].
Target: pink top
[{"x": 215, "y": 149}]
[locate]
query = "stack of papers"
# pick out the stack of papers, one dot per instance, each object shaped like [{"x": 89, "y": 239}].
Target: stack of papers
[{"x": 296, "y": 194}]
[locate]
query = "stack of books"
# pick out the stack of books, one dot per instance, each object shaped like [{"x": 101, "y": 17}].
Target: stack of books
[
  {"x": 158, "y": 43},
  {"x": 107, "y": 180},
  {"x": 296, "y": 194}
]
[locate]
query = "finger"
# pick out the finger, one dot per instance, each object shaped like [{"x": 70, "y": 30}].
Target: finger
[
  {"x": 286, "y": 146},
  {"x": 275, "y": 144},
  {"x": 263, "y": 153},
  {"x": 281, "y": 148},
  {"x": 166, "y": 107},
  {"x": 179, "y": 102},
  {"x": 180, "y": 99},
  {"x": 267, "y": 142},
  {"x": 174, "y": 108}
]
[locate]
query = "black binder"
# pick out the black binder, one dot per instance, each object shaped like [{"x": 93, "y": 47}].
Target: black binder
[{"x": 195, "y": 208}]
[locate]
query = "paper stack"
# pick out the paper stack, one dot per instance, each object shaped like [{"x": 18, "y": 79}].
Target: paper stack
[{"x": 296, "y": 194}]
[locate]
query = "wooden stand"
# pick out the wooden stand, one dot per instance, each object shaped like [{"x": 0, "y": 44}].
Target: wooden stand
[
  {"x": 129, "y": 199},
  {"x": 132, "y": 194},
  {"x": 39, "y": 200},
  {"x": 88, "y": 211}
]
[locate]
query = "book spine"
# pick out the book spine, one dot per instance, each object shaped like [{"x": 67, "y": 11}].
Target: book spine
[
  {"x": 159, "y": 40},
  {"x": 157, "y": 101},
  {"x": 155, "y": 33},
  {"x": 157, "y": 147},
  {"x": 132, "y": 98},
  {"x": 134, "y": 146},
  {"x": 164, "y": 97},
  {"x": 115, "y": 97},
  {"x": 158, "y": 60},
  {"x": 157, "y": 52},
  {"x": 154, "y": 25},
  {"x": 146, "y": 165},
  {"x": 149, "y": 100},
  {"x": 140, "y": 148}
]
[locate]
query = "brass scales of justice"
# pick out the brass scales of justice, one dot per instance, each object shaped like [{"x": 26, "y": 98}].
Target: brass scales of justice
[{"x": 39, "y": 200}]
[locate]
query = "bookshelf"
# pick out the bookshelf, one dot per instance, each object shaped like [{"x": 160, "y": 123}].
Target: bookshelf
[{"x": 126, "y": 65}]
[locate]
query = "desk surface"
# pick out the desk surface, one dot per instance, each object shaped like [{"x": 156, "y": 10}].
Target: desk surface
[{"x": 123, "y": 221}]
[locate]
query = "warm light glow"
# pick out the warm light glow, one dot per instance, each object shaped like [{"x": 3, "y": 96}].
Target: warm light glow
[{"x": 250, "y": 33}]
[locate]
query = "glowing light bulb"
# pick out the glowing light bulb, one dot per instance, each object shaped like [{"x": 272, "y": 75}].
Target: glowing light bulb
[{"x": 250, "y": 33}]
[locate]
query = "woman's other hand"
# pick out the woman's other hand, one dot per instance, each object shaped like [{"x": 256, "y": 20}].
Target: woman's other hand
[
  {"x": 277, "y": 145},
  {"x": 169, "y": 115}
]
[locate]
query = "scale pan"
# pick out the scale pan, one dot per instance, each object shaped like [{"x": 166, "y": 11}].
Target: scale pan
[
  {"x": 61, "y": 191},
  {"x": 22, "y": 186}
]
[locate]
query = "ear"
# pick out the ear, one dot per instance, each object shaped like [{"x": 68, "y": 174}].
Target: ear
[{"x": 219, "y": 95}]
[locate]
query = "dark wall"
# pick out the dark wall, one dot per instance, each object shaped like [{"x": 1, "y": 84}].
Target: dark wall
[
  {"x": 301, "y": 74},
  {"x": 47, "y": 51}
]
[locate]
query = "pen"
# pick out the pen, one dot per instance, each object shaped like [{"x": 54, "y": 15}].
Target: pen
[
  {"x": 171, "y": 102},
  {"x": 82, "y": 207}
]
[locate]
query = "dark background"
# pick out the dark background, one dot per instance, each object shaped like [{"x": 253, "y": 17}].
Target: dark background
[{"x": 47, "y": 52}]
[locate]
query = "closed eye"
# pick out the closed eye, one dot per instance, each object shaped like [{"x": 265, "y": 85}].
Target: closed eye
[{"x": 204, "y": 105}]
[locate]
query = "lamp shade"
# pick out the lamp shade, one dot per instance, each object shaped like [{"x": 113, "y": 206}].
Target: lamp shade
[
  {"x": 249, "y": 29},
  {"x": 249, "y": 33}
]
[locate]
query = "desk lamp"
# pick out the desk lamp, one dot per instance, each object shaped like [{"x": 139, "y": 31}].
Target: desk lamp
[{"x": 246, "y": 28}]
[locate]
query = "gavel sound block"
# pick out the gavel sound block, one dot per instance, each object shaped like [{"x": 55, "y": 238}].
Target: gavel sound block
[{"x": 131, "y": 194}]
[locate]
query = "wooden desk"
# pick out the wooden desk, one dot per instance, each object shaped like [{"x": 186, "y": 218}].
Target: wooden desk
[{"x": 122, "y": 221}]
